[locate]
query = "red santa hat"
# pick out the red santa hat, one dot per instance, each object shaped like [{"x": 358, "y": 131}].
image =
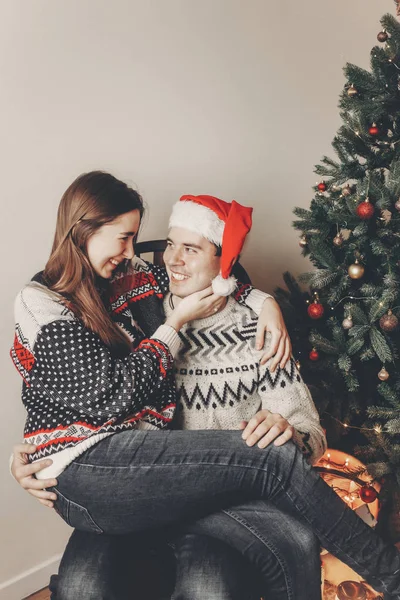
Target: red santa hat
[{"x": 225, "y": 224}]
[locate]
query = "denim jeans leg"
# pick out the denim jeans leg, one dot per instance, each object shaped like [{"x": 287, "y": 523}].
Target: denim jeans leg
[
  {"x": 207, "y": 569},
  {"x": 53, "y": 584},
  {"x": 139, "y": 480},
  {"x": 109, "y": 567},
  {"x": 283, "y": 550}
]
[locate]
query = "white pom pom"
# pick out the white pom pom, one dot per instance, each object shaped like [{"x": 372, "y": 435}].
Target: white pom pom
[{"x": 223, "y": 287}]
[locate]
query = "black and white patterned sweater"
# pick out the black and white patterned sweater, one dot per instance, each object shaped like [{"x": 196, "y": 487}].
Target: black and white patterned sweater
[
  {"x": 220, "y": 382},
  {"x": 75, "y": 390}
]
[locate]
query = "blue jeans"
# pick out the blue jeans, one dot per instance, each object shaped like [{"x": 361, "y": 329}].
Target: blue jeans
[
  {"x": 205, "y": 569},
  {"x": 282, "y": 551},
  {"x": 240, "y": 553},
  {"x": 208, "y": 569},
  {"x": 144, "y": 480},
  {"x": 108, "y": 567}
]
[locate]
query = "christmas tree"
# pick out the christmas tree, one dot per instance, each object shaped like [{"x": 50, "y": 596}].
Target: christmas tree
[{"x": 345, "y": 331}]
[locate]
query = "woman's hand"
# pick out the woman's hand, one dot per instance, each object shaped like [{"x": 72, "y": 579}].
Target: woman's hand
[
  {"x": 23, "y": 471},
  {"x": 265, "y": 427},
  {"x": 271, "y": 320},
  {"x": 196, "y": 306}
]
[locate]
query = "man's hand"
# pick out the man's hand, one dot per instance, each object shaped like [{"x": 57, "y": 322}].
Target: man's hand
[
  {"x": 265, "y": 427},
  {"x": 271, "y": 320},
  {"x": 23, "y": 471}
]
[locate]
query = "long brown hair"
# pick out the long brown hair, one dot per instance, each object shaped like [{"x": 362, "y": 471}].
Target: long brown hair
[{"x": 92, "y": 200}]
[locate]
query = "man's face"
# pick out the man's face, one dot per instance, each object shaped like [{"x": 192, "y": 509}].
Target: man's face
[{"x": 190, "y": 261}]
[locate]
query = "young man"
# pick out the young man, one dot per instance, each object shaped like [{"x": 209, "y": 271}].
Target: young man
[
  {"x": 220, "y": 385},
  {"x": 219, "y": 380}
]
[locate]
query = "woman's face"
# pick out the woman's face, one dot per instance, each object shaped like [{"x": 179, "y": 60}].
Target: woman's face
[{"x": 113, "y": 243}]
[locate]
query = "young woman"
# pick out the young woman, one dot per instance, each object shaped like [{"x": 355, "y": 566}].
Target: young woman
[{"x": 101, "y": 409}]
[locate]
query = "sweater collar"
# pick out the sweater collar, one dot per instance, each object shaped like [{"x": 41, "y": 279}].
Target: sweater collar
[{"x": 213, "y": 320}]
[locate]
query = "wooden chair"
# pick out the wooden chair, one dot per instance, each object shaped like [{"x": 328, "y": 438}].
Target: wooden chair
[{"x": 155, "y": 248}]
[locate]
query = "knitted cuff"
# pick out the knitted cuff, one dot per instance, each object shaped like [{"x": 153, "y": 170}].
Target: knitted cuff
[
  {"x": 169, "y": 337},
  {"x": 255, "y": 300}
]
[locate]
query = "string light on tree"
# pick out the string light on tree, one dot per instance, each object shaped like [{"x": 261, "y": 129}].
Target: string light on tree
[{"x": 377, "y": 429}]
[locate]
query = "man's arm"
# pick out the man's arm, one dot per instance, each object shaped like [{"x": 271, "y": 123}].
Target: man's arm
[{"x": 288, "y": 411}]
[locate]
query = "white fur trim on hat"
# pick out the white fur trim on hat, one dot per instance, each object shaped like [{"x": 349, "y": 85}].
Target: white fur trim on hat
[
  {"x": 223, "y": 287},
  {"x": 199, "y": 219}
]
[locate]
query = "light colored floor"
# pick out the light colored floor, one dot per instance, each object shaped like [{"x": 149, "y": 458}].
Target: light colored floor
[{"x": 42, "y": 595}]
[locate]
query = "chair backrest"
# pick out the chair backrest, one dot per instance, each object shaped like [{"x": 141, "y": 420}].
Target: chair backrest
[{"x": 155, "y": 248}]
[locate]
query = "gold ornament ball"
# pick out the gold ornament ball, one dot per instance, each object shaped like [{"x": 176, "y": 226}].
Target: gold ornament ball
[
  {"x": 397, "y": 204},
  {"x": 388, "y": 322},
  {"x": 352, "y": 91},
  {"x": 298, "y": 365},
  {"x": 347, "y": 323},
  {"x": 383, "y": 374},
  {"x": 338, "y": 240},
  {"x": 303, "y": 242},
  {"x": 356, "y": 271}
]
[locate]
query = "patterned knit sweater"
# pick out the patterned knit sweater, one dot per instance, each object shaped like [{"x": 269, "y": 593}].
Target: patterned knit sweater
[
  {"x": 220, "y": 382},
  {"x": 75, "y": 390}
]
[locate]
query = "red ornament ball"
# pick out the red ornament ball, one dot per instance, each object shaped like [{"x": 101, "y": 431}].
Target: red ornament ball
[
  {"x": 368, "y": 494},
  {"x": 314, "y": 355},
  {"x": 315, "y": 310},
  {"x": 322, "y": 187},
  {"x": 365, "y": 210},
  {"x": 373, "y": 130},
  {"x": 382, "y": 36}
]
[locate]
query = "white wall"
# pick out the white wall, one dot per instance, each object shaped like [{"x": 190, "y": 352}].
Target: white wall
[{"x": 232, "y": 98}]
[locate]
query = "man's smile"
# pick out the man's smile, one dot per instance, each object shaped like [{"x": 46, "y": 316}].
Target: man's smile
[{"x": 178, "y": 276}]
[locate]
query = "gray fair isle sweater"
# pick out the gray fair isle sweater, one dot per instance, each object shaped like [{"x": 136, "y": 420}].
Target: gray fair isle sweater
[{"x": 220, "y": 382}]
